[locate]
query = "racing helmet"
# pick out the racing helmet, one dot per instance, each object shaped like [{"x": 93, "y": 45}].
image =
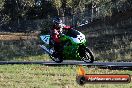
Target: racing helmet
[{"x": 57, "y": 21}]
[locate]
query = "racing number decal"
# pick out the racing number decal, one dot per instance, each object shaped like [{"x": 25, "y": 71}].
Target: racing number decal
[
  {"x": 45, "y": 39},
  {"x": 81, "y": 38}
]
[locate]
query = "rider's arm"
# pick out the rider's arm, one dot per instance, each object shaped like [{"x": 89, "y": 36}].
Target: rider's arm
[
  {"x": 55, "y": 32},
  {"x": 67, "y": 27},
  {"x": 55, "y": 36}
]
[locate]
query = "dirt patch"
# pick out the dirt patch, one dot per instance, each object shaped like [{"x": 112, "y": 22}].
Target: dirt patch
[{"x": 18, "y": 36}]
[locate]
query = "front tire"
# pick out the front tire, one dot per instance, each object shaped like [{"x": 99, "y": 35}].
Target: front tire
[
  {"x": 89, "y": 57},
  {"x": 86, "y": 54}
]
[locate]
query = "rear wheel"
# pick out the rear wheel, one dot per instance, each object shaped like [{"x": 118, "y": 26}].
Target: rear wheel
[{"x": 57, "y": 58}]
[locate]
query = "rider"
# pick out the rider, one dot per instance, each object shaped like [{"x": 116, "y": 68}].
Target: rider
[{"x": 55, "y": 32}]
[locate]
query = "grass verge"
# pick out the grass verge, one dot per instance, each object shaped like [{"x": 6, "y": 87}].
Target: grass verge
[{"x": 41, "y": 76}]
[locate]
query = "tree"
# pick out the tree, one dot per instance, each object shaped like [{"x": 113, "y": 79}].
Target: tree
[
  {"x": 2, "y": 4},
  {"x": 57, "y": 4}
]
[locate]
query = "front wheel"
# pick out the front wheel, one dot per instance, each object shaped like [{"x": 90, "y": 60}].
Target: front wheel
[{"x": 87, "y": 55}]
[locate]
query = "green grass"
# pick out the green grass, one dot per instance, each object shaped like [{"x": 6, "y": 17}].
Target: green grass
[
  {"x": 43, "y": 57},
  {"x": 41, "y": 76}
]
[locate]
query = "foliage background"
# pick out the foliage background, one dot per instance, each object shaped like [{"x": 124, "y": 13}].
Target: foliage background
[{"x": 108, "y": 32}]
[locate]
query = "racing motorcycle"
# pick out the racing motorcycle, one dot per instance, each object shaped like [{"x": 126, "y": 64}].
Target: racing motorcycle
[{"x": 73, "y": 47}]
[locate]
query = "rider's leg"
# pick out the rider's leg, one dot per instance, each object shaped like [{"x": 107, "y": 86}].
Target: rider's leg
[{"x": 57, "y": 47}]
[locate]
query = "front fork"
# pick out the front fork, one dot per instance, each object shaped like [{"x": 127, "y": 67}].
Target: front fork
[{"x": 81, "y": 50}]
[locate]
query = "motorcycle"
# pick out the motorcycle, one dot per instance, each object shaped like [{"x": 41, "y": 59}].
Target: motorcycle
[{"x": 73, "y": 47}]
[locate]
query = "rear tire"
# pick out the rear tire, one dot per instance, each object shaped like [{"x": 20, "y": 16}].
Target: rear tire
[{"x": 57, "y": 58}]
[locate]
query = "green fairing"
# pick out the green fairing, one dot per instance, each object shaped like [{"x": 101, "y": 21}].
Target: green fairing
[
  {"x": 70, "y": 52},
  {"x": 70, "y": 48}
]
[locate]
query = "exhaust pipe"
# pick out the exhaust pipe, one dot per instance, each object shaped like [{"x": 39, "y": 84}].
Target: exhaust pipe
[{"x": 49, "y": 51}]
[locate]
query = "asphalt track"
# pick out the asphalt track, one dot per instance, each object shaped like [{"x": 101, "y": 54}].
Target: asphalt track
[{"x": 70, "y": 62}]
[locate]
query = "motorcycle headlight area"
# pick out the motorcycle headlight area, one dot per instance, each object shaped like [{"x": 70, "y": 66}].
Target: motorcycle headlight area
[{"x": 79, "y": 39}]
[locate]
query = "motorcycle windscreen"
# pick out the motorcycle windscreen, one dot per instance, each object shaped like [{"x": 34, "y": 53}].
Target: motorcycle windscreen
[
  {"x": 73, "y": 33},
  {"x": 76, "y": 36}
]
